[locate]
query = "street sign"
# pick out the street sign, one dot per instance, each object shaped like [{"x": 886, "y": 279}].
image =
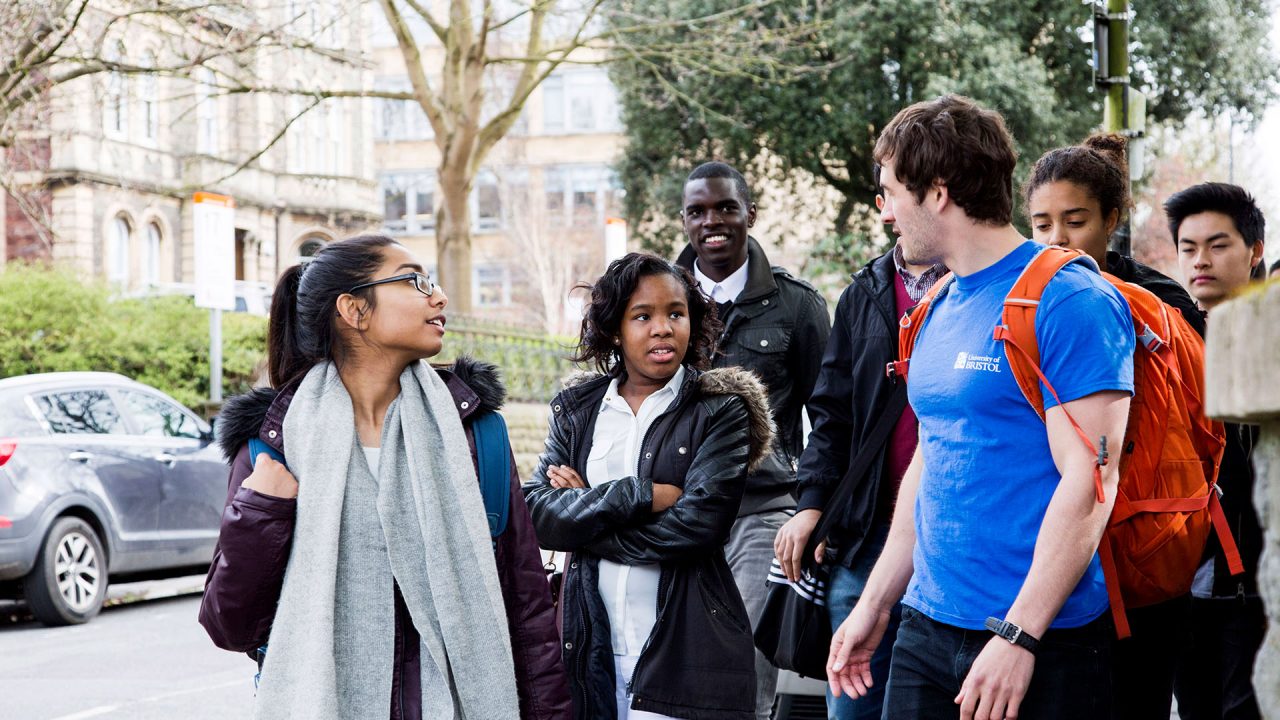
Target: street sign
[
  {"x": 615, "y": 239},
  {"x": 214, "y": 219}
]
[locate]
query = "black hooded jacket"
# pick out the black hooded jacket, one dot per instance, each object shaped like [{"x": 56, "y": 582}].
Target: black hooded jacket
[{"x": 698, "y": 662}]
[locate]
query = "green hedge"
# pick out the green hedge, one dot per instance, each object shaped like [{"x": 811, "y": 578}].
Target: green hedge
[{"x": 56, "y": 320}]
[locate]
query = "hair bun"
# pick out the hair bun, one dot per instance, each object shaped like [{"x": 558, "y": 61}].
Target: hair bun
[{"x": 1111, "y": 146}]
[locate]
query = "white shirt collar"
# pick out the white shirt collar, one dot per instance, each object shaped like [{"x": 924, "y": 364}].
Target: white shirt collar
[
  {"x": 725, "y": 290},
  {"x": 672, "y": 388}
]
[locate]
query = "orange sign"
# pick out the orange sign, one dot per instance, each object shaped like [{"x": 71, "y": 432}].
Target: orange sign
[{"x": 214, "y": 199}]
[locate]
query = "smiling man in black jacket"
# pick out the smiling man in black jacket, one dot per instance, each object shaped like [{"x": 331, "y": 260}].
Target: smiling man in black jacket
[{"x": 774, "y": 325}]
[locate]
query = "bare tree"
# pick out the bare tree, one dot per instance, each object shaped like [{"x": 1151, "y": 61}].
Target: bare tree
[
  {"x": 471, "y": 107},
  {"x": 552, "y": 256}
]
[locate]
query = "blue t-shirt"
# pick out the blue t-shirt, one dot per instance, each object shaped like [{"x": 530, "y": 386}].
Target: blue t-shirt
[{"x": 988, "y": 472}]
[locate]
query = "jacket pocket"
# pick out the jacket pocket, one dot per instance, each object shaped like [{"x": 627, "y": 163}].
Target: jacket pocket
[{"x": 719, "y": 610}]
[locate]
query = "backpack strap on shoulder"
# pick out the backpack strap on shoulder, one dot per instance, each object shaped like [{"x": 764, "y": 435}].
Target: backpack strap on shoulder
[
  {"x": 909, "y": 328},
  {"x": 1018, "y": 332},
  {"x": 258, "y": 447},
  {"x": 493, "y": 465}
]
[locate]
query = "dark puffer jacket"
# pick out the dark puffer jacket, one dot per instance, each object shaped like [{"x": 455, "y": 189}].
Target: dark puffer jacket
[
  {"x": 698, "y": 662},
  {"x": 248, "y": 567}
]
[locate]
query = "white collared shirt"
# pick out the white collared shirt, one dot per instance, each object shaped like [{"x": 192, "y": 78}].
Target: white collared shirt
[
  {"x": 630, "y": 592},
  {"x": 725, "y": 290}
]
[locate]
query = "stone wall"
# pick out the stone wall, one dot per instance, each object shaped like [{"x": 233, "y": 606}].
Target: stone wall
[{"x": 1243, "y": 370}]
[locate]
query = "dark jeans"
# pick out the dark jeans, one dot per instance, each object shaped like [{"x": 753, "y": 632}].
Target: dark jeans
[
  {"x": 1144, "y": 662},
  {"x": 1072, "y": 678},
  {"x": 1214, "y": 680}
]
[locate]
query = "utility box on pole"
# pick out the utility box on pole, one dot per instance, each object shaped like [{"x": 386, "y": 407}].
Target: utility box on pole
[{"x": 214, "y": 221}]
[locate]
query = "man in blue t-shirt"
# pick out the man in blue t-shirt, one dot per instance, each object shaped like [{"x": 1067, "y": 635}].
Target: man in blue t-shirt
[{"x": 993, "y": 546}]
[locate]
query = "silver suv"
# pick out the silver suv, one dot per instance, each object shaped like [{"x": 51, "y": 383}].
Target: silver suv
[{"x": 100, "y": 476}]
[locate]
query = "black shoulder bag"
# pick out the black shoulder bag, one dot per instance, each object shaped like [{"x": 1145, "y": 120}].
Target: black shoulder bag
[{"x": 794, "y": 630}]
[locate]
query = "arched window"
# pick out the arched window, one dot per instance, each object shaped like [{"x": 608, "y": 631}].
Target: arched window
[
  {"x": 118, "y": 251},
  {"x": 151, "y": 255},
  {"x": 310, "y": 247}
]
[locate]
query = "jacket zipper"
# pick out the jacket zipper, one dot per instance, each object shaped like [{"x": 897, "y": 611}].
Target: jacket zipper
[{"x": 657, "y": 623}]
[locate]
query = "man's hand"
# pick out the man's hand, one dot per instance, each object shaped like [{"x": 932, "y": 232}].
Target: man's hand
[
  {"x": 789, "y": 544},
  {"x": 664, "y": 496},
  {"x": 563, "y": 476},
  {"x": 997, "y": 682},
  {"x": 271, "y": 478},
  {"x": 852, "y": 645}
]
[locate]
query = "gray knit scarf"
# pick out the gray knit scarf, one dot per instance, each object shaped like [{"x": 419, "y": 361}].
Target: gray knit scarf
[{"x": 420, "y": 523}]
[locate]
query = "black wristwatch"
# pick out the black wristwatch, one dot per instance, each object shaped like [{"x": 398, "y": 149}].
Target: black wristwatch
[{"x": 1013, "y": 633}]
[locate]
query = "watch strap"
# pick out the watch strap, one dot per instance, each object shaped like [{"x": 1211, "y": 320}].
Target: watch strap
[{"x": 1014, "y": 634}]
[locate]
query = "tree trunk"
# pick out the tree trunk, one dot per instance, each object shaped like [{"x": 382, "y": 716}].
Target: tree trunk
[{"x": 453, "y": 238}]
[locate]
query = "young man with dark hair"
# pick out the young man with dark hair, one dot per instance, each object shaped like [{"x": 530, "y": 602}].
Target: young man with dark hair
[
  {"x": 993, "y": 544},
  {"x": 1220, "y": 235},
  {"x": 774, "y": 325},
  {"x": 852, "y": 398}
]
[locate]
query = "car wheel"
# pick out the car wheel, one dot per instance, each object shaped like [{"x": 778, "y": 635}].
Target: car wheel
[{"x": 69, "y": 582}]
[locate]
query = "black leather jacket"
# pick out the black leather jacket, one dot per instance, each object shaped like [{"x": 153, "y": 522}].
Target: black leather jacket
[
  {"x": 698, "y": 662},
  {"x": 851, "y": 393},
  {"x": 777, "y": 328}
]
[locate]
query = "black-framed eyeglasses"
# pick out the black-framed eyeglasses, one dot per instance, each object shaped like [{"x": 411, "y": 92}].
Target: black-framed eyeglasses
[{"x": 421, "y": 282}]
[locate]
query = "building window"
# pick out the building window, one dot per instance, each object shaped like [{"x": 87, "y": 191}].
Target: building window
[
  {"x": 118, "y": 251},
  {"x": 310, "y": 247},
  {"x": 408, "y": 202},
  {"x": 553, "y": 185},
  {"x": 491, "y": 286},
  {"x": 487, "y": 202},
  {"x": 151, "y": 255},
  {"x": 553, "y": 104},
  {"x": 580, "y": 196},
  {"x": 206, "y": 113},
  {"x": 399, "y": 119},
  {"x": 148, "y": 100},
  {"x": 115, "y": 121},
  {"x": 582, "y": 100}
]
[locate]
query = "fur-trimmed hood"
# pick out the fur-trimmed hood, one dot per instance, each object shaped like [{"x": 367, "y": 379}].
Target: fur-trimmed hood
[
  {"x": 719, "y": 381},
  {"x": 242, "y": 416}
]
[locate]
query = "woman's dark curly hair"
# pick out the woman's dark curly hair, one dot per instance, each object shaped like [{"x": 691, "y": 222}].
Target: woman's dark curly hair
[
  {"x": 602, "y": 318},
  {"x": 1097, "y": 165}
]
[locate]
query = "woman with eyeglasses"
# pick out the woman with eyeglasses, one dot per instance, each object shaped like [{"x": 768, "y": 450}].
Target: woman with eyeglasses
[{"x": 361, "y": 571}]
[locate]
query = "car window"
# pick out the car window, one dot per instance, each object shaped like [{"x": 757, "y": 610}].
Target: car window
[
  {"x": 159, "y": 417},
  {"x": 81, "y": 412},
  {"x": 16, "y": 419}
]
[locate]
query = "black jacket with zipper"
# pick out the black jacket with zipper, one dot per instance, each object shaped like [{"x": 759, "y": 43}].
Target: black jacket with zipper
[
  {"x": 776, "y": 328},
  {"x": 698, "y": 662},
  {"x": 849, "y": 398}
]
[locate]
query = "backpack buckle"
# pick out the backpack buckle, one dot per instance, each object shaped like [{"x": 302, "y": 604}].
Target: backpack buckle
[
  {"x": 896, "y": 369},
  {"x": 1103, "y": 455}
]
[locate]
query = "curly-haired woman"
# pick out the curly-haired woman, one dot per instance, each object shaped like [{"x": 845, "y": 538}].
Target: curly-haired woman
[{"x": 641, "y": 478}]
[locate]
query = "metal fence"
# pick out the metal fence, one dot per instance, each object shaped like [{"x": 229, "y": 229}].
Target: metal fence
[{"x": 532, "y": 363}]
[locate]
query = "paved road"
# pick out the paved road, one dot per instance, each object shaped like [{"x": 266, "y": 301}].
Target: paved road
[{"x": 147, "y": 660}]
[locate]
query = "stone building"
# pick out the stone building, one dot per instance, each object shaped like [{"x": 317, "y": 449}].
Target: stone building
[{"x": 116, "y": 158}]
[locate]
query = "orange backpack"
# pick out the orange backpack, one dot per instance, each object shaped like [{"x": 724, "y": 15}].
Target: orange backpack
[{"x": 1168, "y": 495}]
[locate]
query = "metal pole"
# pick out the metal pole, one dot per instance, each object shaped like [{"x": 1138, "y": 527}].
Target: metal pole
[
  {"x": 1118, "y": 93},
  {"x": 215, "y": 356}
]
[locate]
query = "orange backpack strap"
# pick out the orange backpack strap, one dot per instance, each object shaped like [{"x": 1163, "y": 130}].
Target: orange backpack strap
[
  {"x": 1018, "y": 332},
  {"x": 909, "y": 328}
]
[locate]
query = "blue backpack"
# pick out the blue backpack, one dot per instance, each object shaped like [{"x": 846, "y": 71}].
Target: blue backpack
[{"x": 493, "y": 460}]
